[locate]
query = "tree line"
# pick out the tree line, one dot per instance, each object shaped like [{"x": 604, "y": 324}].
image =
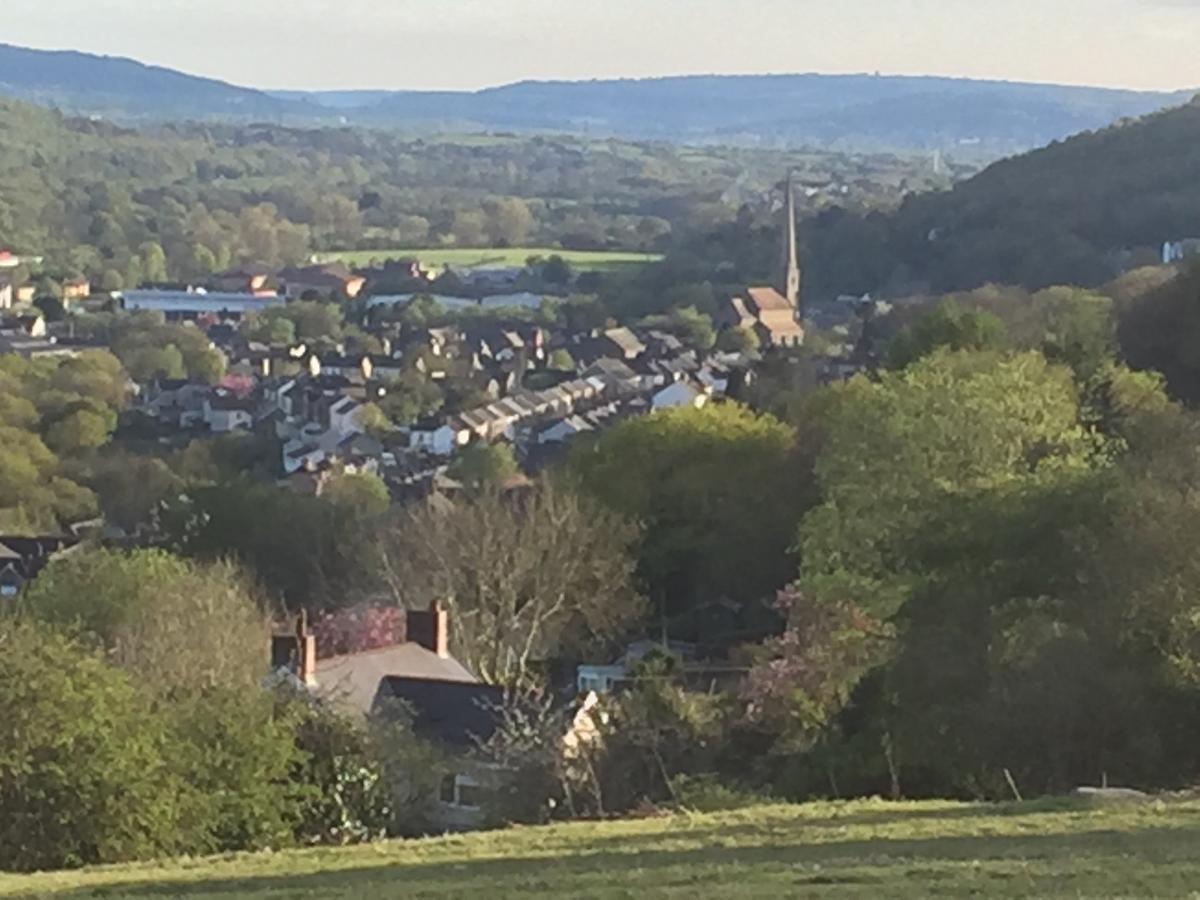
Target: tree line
[{"x": 178, "y": 202}]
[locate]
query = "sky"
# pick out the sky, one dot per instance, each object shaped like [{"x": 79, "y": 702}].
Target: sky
[{"x": 466, "y": 44}]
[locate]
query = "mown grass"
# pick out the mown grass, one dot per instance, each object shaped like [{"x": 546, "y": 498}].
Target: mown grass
[
  {"x": 860, "y": 850},
  {"x": 582, "y": 260}
]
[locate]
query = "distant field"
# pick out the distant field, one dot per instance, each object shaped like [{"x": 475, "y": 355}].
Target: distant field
[
  {"x": 583, "y": 260},
  {"x": 856, "y": 850}
]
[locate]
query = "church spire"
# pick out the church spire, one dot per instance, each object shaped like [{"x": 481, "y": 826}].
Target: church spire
[{"x": 789, "y": 282}]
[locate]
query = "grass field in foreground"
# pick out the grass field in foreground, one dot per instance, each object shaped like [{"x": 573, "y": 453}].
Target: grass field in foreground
[
  {"x": 582, "y": 260},
  {"x": 861, "y": 849}
]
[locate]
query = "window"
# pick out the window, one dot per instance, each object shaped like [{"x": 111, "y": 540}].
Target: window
[
  {"x": 448, "y": 792},
  {"x": 462, "y": 791},
  {"x": 470, "y": 795},
  {"x": 597, "y": 683}
]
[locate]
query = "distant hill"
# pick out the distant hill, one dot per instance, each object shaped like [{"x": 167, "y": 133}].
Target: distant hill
[
  {"x": 123, "y": 89},
  {"x": 983, "y": 118},
  {"x": 1077, "y": 212},
  {"x": 852, "y": 110}
]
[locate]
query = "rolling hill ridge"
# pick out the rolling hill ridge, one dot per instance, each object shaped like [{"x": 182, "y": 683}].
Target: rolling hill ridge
[{"x": 984, "y": 118}]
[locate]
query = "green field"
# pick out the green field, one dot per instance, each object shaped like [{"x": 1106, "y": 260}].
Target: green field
[
  {"x": 582, "y": 260},
  {"x": 864, "y": 849}
]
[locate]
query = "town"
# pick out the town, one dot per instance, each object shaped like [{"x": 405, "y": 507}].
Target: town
[
  {"x": 515, "y": 369},
  {"x": 479, "y": 457}
]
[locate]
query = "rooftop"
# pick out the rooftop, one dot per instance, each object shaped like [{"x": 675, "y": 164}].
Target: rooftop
[{"x": 767, "y": 299}]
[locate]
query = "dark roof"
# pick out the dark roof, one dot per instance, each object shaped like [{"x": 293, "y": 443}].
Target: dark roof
[
  {"x": 246, "y": 270},
  {"x": 346, "y": 361},
  {"x": 327, "y": 275},
  {"x": 29, "y": 555},
  {"x": 229, "y": 403},
  {"x": 455, "y": 713}
]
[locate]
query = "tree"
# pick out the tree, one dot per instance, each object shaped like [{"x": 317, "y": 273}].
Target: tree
[
  {"x": 51, "y": 307},
  {"x": 556, "y": 270},
  {"x": 72, "y": 404},
  {"x": 312, "y": 552},
  {"x": 46, "y": 286},
  {"x": 154, "y": 262},
  {"x": 237, "y": 753},
  {"x": 469, "y": 228},
  {"x": 509, "y": 221},
  {"x": 84, "y": 429},
  {"x": 362, "y": 495},
  {"x": 410, "y": 397},
  {"x": 78, "y": 736},
  {"x": 203, "y": 261},
  {"x": 807, "y": 674},
  {"x": 281, "y": 331},
  {"x": 179, "y": 625},
  {"x": 719, "y": 494},
  {"x": 1157, "y": 332},
  {"x": 526, "y": 576},
  {"x": 657, "y": 731},
  {"x": 147, "y": 363},
  {"x": 738, "y": 340},
  {"x": 483, "y": 466},
  {"x": 948, "y": 326},
  {"x": 942, "y": 558},
  {"x": 373, "y": 420},
  {"x": 111, "y": 280},
  {"x": 352, "y": 801},
  {"x": 901, "y": 451},
  {"x": 694, "y": 328},
  {"x": 1079, "y": 329},
  {"x": 132, "y": 488},
  {"x": 561, "y": 361}
]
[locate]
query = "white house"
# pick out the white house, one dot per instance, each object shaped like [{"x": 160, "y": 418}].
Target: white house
[
  {"x": 678, "y": 395},
  {"x": 343, "y": 417},
  {"x": 440, "y": 439},
  {"x": 1174, "y": 251},
  {"x": 564, "y": 430}
]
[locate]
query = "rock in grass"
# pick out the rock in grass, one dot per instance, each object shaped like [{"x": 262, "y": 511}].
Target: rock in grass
[{"x": 1111, "y": 794}]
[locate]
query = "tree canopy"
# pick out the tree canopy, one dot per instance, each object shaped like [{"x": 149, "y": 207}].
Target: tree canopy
[{"x": 719, "y": 492}]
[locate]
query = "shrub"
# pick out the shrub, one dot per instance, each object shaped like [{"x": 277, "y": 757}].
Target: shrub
[
  {"x": 348, "y": 799},
  {"x": 236, "y": 753},
  {"x": 709, "y": 793},
  {"x": 83, "y": 758}
]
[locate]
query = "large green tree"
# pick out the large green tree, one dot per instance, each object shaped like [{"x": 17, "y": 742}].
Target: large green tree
[
  {"x": 983, "y": 532},
  {"x": 84, "y": 769},
  {"x": 176, "y": 624},
  {"x": 719, "y": 492}
]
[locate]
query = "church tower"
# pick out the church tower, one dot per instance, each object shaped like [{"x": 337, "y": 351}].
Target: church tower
[{"x": 789, "y": 275}]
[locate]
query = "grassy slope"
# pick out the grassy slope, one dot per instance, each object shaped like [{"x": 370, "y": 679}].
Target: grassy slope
[
  {"x": 862, "y": 849},
  {"x": 515, "y": 256}
]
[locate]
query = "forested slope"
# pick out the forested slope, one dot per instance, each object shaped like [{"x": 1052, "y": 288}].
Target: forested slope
[
  {"x": 1076, "y": 212},
  {"x": 121, "y": 205}
]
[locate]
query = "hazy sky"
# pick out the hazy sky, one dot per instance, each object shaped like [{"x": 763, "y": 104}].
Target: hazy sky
[{"x": 473, "y": 43}]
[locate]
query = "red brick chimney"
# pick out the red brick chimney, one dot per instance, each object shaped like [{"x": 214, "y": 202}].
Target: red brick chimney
[{"x": 430, "y": 628}]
